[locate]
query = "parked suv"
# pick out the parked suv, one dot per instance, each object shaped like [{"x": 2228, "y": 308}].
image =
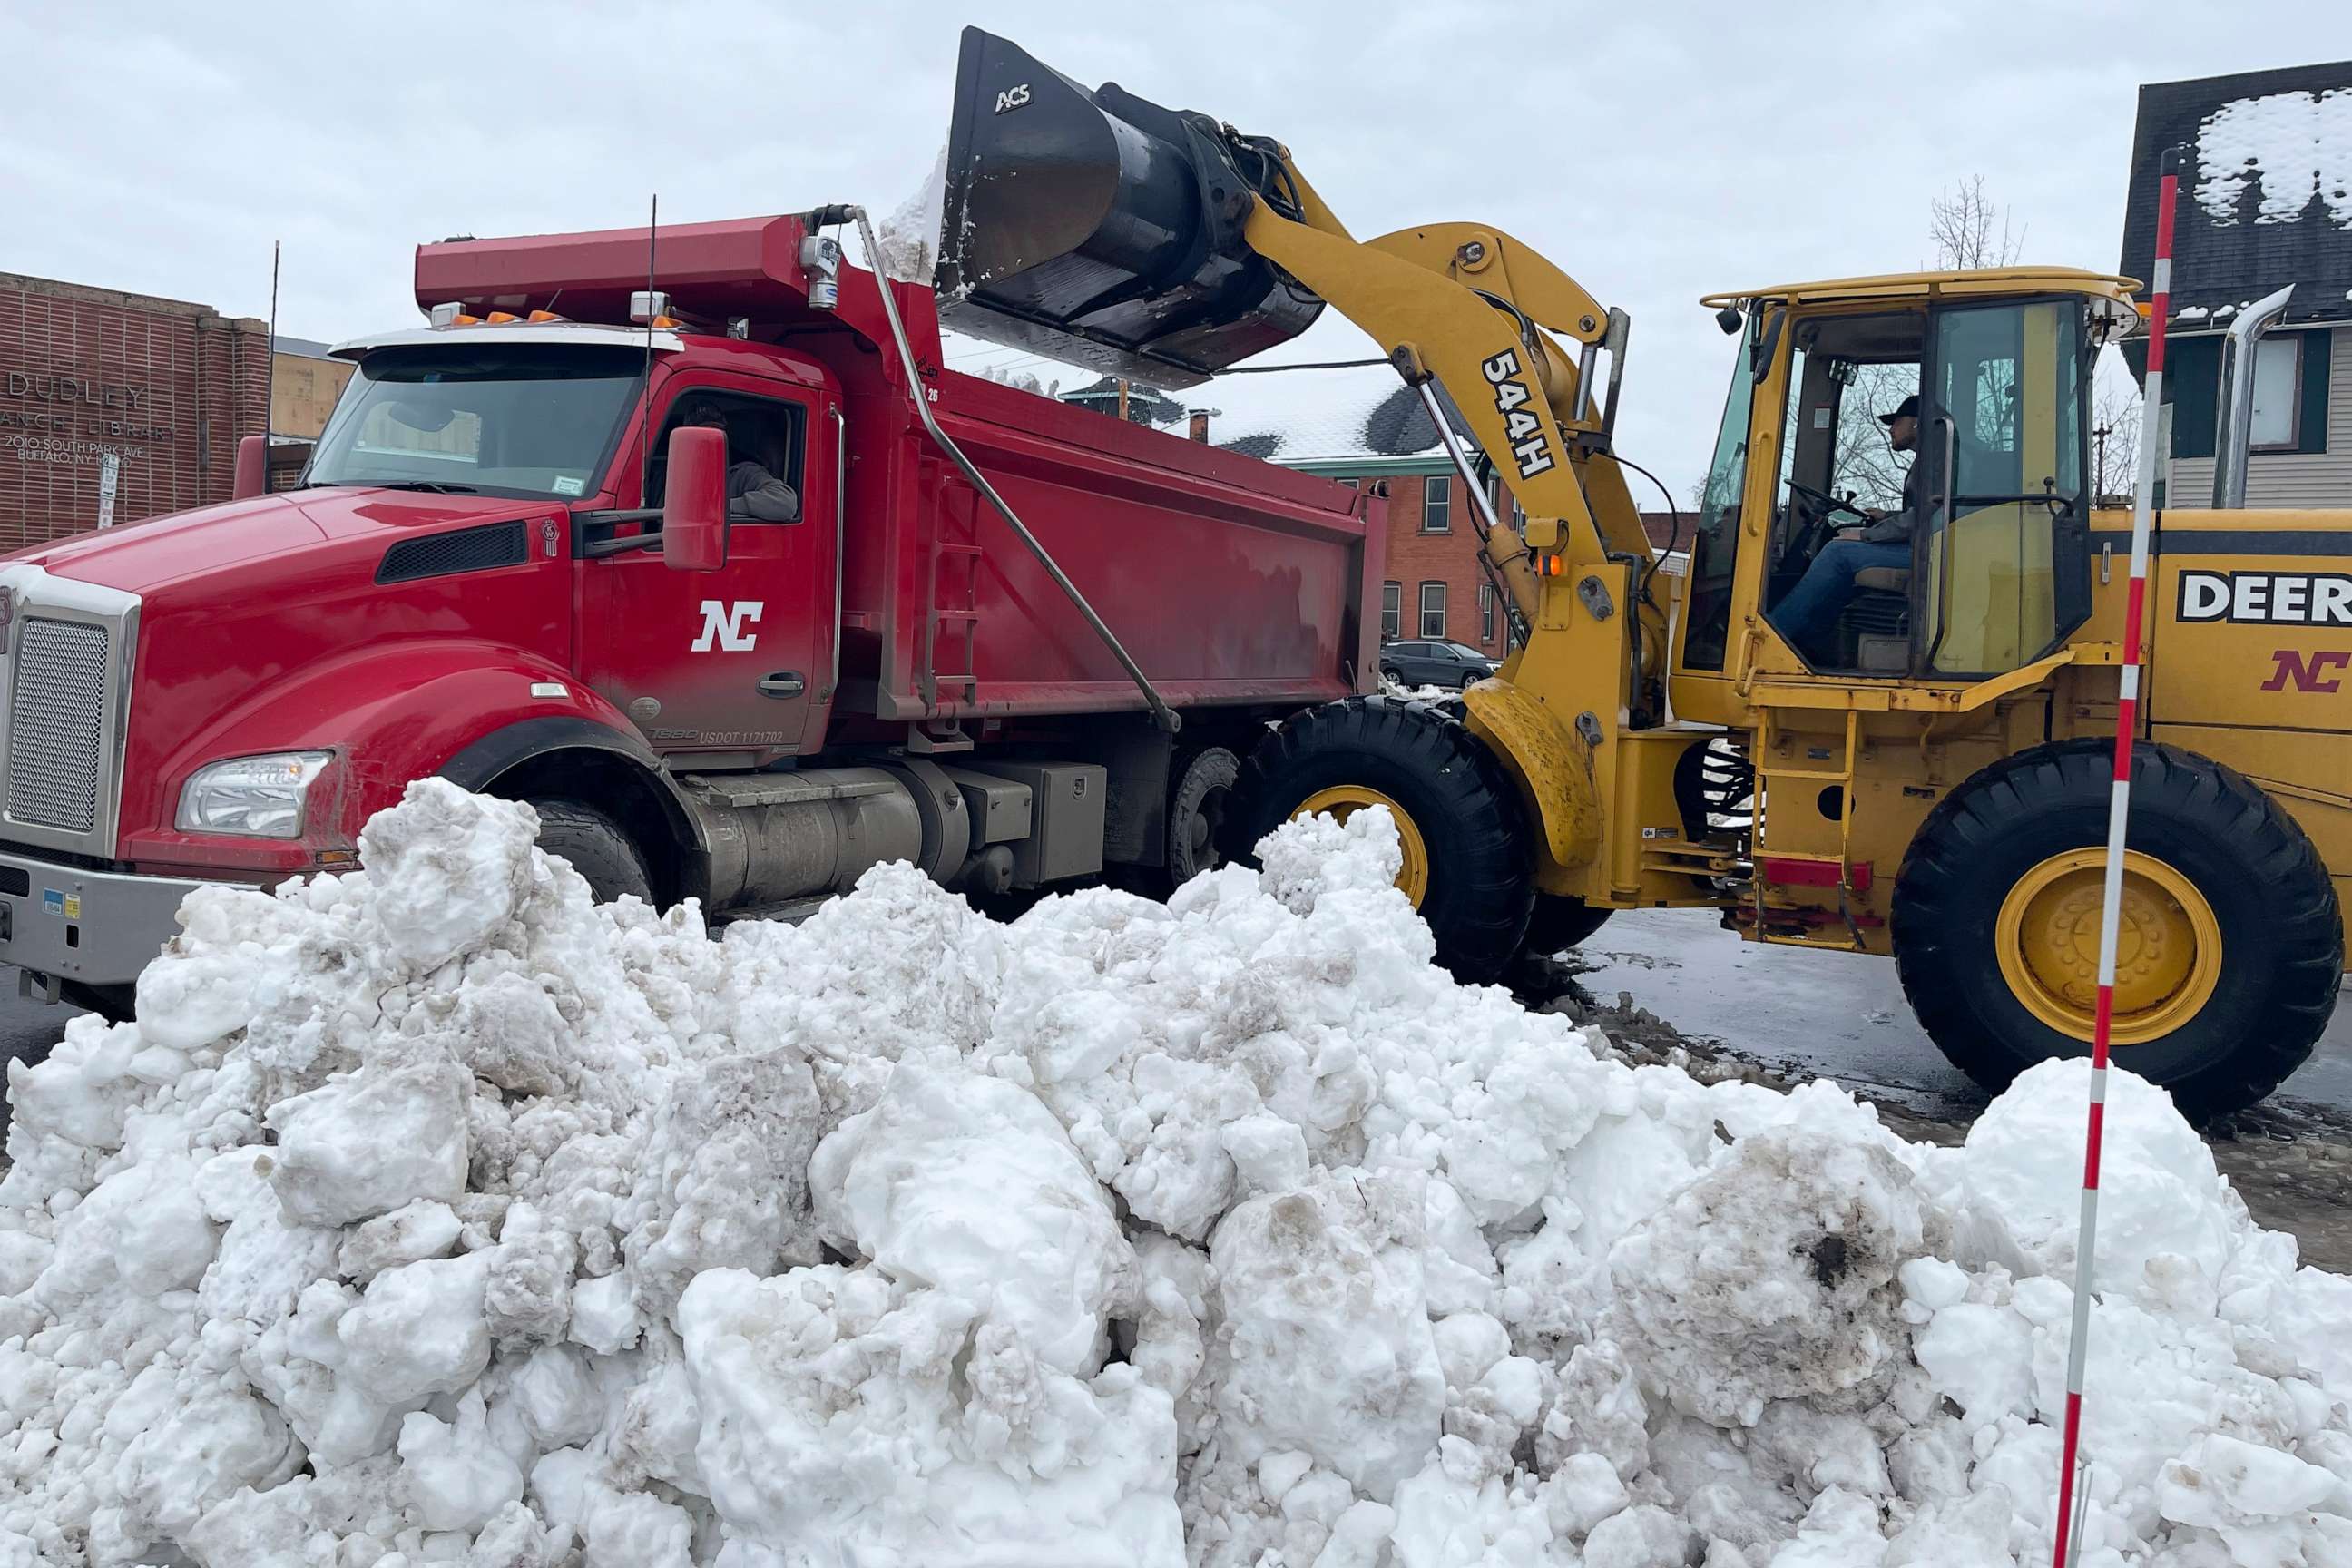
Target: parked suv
[{"x": 1438, "y": 663}]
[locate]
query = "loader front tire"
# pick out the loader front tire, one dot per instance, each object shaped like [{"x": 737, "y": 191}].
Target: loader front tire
[
  {"x": 1559, "y": 922},
  {"x": 1468, "y": 860},
  {"x": 2228, "y": 954},
  {"x": 596, "y": 846}
]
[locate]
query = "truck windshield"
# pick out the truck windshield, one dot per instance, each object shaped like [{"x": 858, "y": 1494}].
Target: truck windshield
[{"x": 503, "y": 418}]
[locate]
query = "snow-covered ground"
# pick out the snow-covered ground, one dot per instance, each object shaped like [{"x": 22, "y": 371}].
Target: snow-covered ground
[{"x": 434, "y": 1214}]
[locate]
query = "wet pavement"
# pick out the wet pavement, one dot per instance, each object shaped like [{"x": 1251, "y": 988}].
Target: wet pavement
[{"x": 1838, "y": 1014}]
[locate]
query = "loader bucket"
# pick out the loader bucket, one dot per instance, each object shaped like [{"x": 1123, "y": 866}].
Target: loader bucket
[{"x": 1097, "y": 228}]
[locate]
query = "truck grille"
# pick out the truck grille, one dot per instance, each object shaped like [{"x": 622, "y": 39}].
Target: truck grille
[{"x": 57, "y": 725}]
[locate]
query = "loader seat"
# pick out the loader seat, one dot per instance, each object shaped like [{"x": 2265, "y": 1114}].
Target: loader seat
[{"x": 1874, "y": 631}]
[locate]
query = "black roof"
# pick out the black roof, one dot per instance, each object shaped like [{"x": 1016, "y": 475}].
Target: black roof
[{"x": 2264, "y": 189}]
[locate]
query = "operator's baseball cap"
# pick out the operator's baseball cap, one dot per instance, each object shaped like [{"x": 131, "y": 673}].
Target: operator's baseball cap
[{"x": 1906, "y": 409}]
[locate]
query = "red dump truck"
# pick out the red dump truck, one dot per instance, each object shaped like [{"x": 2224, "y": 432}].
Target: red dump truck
[{"x": 1015, "y": 642}]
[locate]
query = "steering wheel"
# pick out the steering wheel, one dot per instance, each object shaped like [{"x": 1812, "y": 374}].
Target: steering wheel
[
  {"x": 1820, "y": 527},
  {"x": 1826, "y": 503}
]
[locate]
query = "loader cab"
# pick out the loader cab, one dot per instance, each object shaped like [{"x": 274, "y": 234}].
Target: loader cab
[{"x": 1994, "y": 571}]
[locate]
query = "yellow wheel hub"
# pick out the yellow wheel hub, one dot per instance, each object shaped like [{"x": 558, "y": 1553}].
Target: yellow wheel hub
[
  {"x": 1343, "y": 801},
  {"x": 2167, "y": 945}
]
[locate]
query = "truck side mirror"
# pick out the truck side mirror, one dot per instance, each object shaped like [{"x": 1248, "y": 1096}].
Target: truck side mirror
[
  {"x": 694, "y": 501},
  {"x": 252, "y": 473}
]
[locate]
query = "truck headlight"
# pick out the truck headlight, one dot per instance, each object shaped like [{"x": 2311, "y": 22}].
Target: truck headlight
[{"x": 252, "y": 797}]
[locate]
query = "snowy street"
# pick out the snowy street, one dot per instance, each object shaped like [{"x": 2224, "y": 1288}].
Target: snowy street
[{"x": 1797, "y": 1014}]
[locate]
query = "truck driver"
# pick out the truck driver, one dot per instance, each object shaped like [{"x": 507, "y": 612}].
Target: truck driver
[{"x": 752, "y": 490}]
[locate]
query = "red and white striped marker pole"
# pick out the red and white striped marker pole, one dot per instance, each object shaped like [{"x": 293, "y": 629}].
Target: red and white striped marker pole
[{"x": 2118, "y": 810}]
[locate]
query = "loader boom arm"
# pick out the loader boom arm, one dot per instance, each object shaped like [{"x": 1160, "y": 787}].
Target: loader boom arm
[{"x": 1477, "y": 309}]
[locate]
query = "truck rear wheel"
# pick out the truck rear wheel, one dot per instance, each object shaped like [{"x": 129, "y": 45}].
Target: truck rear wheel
[
  {"x": 596, "y": 846},
  {"x": 2227, "y": 959},
  {"x": 1467, "y": 855}
]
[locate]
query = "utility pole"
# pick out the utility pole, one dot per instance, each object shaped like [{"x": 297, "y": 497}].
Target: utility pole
[{"x": 1122, "y": 398}]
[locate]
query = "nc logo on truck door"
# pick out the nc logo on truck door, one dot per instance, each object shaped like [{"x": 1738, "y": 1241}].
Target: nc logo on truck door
[
  {"x": 723, "y": 624},
  {"x": 1513, "y": 400}
]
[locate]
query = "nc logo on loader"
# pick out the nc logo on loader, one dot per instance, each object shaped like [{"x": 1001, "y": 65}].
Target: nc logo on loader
[
  {"x": 1012, "y": 97},
  {"x": 723, "y": 624}
]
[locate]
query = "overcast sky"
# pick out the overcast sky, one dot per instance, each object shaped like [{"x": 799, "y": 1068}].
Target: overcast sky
[{"x": 1656, "y": 152}]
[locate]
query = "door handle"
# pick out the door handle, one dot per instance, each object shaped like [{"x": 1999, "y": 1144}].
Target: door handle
[{"x": 783, "y": 683}]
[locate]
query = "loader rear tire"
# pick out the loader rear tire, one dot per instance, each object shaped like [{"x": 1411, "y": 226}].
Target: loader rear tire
[
  {"x": 1559, "y": 922},
  {"x": 1468, "y": 856},
  {"x": 2231, "y": 949},
  {"x": 597, "y": 848}
]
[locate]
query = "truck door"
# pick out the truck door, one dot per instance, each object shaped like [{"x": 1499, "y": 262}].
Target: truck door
[
  {"x": 2001, "y": 570},
  {"x": 740, "y": 659}
]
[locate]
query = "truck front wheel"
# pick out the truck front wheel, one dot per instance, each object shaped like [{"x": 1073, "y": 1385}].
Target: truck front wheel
[
  {"x": 1467, "y": 858},
  {"x": 596, "y": 848},
  {"x": 2228, "y": 953}
]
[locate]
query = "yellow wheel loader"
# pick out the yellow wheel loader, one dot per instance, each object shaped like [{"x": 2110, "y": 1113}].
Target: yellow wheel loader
[{"x": 1862, "y": 728}]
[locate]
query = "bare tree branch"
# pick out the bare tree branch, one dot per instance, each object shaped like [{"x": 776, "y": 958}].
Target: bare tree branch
[
  {"x": 2115, "y": 413},
  {"x": 1970, "y": 230}
]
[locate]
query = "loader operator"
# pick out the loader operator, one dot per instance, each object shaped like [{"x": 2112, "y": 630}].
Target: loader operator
[
  {"x": 752, "y": 490},
  {"x": 1808, "y": 616}
]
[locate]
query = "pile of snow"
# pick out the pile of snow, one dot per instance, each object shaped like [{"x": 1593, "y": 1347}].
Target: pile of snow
[
  {"x": 1404, "y": 693},
  {"x": 431, "y": 1213}
]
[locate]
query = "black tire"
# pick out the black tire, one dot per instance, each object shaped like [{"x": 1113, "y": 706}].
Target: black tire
[
  {"x": 2270, "y": 895},
  {"x": 596, "y": 846},
  {"x": 1201, "y": 795},
  {"x": 1460, "y": 799},
  {"x": 1557, "y": 922}
]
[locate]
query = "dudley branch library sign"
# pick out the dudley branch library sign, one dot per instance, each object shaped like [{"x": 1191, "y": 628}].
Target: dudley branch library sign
[{"x": 77, "y": 419}]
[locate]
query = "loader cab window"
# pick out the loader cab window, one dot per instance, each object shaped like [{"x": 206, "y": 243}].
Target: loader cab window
[
  {"x": 1837, "y": 585},
  {"x": 1715, "y": 548},
  {"x": 2005, "y": 552},
  {"x": 761, "y": 431}
]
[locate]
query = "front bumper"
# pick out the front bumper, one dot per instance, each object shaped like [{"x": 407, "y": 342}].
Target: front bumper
[{"x": 96, "y": 927}]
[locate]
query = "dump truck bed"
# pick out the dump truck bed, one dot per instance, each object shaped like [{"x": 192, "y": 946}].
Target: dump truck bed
[{"x": 1229, "y": 580}]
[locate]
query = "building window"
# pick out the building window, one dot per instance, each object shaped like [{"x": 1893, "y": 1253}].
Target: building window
[
  {"x": 1391, "y": 611},
  {"x": 1350, "y": 480},
  {"x": 1433, "y": 609},
  {"x": 1438, "y": 504},
  {"x": 1485, "y": 612},
  {"x": 2278, "y": 381}
]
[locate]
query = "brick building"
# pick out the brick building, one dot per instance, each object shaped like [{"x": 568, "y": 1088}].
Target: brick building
[
  {"x": 1363, "y": 427},
  {"x": 162, "y": 387}
]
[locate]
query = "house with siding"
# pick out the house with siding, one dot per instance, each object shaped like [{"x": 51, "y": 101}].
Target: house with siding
[{"x": 2265, "y": 201}]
